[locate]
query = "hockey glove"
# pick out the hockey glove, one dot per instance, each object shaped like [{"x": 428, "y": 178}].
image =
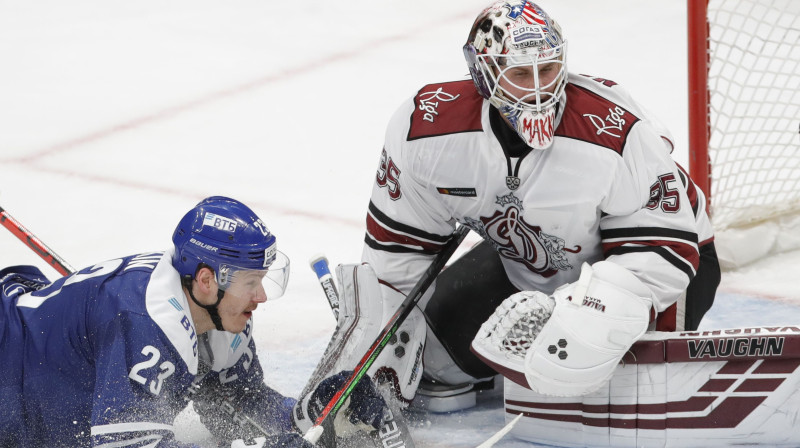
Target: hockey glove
[
  {"x": 504, "y": 339},
  {"x": 570, "y": 344},
  {"x": 594, "y": 323},
  {"x": 363, "y": 410},
  {"x": 288, "y": 440}
]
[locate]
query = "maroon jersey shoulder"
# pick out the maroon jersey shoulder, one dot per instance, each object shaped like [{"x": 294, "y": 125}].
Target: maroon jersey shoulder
[
  {"x": 592, "y": 118},
  {"x": 446, "y": 108}
]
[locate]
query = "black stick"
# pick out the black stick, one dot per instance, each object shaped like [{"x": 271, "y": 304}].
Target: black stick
[{"x": 388, "y": 331}]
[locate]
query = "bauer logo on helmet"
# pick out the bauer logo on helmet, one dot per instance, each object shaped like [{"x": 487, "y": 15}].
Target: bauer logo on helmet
[{"x": 203, "y": 245}]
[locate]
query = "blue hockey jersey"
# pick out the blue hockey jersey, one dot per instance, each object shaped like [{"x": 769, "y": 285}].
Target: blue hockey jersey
[{"x": 107, "y": 355}]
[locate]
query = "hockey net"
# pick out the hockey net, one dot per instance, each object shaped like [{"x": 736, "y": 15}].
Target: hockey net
[{"x": 748, "y": 155}]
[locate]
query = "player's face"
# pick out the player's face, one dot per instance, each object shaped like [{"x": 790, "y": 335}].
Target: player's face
[
  {"x": 519, "y": 81},
  {"x": 241, "y": 299}
]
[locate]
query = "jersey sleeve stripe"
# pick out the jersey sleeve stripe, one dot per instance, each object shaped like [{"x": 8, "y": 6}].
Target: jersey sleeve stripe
[
  {"x": 398, "y": 227},
  {"x": 394, "y": 248},
  {"x": 384, "y": 236},
  {"x": 648, "y": 232},
  {"x": 687, "y": 265},
  {"x": 691, "y": 189}
]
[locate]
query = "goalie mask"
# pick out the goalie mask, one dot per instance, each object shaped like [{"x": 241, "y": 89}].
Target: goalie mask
[
  {"x": 225, "y": 235},
  {"x": 517, "y": 59}
]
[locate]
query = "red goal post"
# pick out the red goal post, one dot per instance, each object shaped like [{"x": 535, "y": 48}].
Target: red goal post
[{"x": 744, "y": 122}]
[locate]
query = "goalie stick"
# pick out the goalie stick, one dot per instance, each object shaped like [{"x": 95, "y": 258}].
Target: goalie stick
[
  {"x": 499, "y": 435},
  {"x": 323, "y": 274},
  {"x": 388, "y": 331},
  {"x": 394, "y": 433},
  {"x": 34, "y": 243},
  {"x": 355, "y": 326}
]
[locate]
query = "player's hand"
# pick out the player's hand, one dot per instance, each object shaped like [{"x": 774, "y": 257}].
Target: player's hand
[
  {"x": 288, "y": 440},
  {"x": 363, "y": 410}
]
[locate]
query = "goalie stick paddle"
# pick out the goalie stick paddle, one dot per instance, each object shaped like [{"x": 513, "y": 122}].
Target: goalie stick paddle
[
  {"x": 34, "y": 243},
  {"x": 388, "y": 331}
]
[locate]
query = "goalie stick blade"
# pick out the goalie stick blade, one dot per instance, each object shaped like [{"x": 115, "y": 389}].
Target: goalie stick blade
[{"x": 496, "y": 438}]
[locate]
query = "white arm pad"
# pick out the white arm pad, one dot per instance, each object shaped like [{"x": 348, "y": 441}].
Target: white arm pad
[{"x": 594, "y": 323}]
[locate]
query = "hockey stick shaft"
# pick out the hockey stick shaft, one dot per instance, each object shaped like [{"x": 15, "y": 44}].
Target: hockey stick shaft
[
  {"x": 30, "y": 240},
  {"x": 389, "y": 330},
  {"x": 499, "y": 435}
]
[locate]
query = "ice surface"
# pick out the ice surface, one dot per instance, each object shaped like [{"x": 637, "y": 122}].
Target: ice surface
[{"x": 116, "y": 117}]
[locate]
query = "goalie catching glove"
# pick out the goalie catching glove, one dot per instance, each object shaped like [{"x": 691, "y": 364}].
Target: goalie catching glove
[
  {"x": 363, "y": 410},
  {"x": 570, "y": 344}
]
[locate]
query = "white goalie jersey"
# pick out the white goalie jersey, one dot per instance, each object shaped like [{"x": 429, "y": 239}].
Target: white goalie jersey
[{"x": 606, "y": 189}]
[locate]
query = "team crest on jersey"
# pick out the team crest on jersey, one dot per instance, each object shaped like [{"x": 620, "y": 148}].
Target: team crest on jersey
[{"x": 514, "y": 238}]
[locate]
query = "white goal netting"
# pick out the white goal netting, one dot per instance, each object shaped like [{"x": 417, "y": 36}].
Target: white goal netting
[{"x": 754, "y": 106}]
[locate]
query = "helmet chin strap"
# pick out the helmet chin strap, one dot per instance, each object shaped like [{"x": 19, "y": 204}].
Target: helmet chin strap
[{"x": 213, "y": 311}]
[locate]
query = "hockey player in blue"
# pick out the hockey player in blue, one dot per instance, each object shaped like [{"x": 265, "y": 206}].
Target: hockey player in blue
[{"x": 109, "y": 355}]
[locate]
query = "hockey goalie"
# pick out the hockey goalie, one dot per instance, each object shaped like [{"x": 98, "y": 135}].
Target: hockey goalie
[{"x": 579, "y": 384}]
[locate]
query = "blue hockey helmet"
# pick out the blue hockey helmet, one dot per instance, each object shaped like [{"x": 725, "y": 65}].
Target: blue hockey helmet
[{"x": 228, "y": 237}]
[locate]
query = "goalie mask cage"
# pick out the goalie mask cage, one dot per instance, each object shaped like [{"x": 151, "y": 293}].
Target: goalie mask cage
[{"x": 744, "y": 122}]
